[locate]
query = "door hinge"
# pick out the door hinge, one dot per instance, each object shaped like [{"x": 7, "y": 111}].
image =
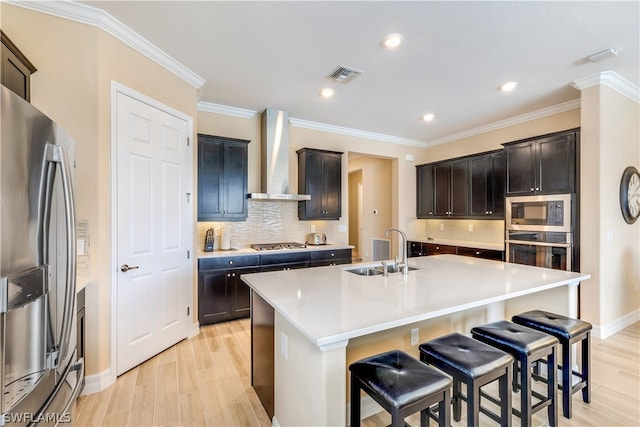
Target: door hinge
[
  {"x": 188, "y": 141},
  {"x": 188, "y": 310},
  {"x": 188, "y": 254},
  {"x": 188, "y": 197}
]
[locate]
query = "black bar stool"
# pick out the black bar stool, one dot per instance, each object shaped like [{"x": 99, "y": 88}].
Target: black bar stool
[
  {"x": 476, "y": 364},
  {"x": 527, "y": 346},
  {"x": 568, "y": 331},
  {"x": 402, "y": 386}
]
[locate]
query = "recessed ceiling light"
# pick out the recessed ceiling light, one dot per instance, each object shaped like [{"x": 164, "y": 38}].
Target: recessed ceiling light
[
  {"x": 428, "y": 117},
  {"x": 392, "y": 41},
  {"x": 326, "y": 92},
  {"x": 508, "y": 86}
]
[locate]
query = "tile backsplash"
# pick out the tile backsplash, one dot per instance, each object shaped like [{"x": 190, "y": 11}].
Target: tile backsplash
[{"x": 270, "y": 221}]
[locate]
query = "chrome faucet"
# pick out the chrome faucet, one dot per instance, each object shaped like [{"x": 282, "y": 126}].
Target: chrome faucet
[{"x": 403, "y": 266}]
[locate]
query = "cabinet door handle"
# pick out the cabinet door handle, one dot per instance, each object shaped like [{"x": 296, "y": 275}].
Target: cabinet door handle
[
  {"x": 537, "y": 188},
  {"x": 531, "y": 188}
]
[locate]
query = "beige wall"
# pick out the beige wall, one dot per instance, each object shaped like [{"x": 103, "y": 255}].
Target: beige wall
[
  {"x": 76, "y": 64},
  {"x": 610, "y": 247}
]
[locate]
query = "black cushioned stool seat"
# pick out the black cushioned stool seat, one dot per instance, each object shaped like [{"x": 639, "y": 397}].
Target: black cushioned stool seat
[
  {"x": 475, "y": 364},
  {"x": 568, "y": 331},
  {"x": 402, "y": 386},
  {"x": 526, "y": 345}
]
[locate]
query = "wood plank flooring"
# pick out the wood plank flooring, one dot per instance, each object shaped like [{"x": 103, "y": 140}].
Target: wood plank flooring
[{"x": 206, "y": 381}]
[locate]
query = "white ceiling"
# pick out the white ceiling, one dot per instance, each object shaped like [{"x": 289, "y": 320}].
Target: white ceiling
[{"x": 455, "y": 55}]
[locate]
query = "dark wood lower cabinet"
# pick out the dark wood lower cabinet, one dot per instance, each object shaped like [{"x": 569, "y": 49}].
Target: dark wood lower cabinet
[
  {"x": 424, "y": 249},
  {"x": 481, "y": 253},
  {"x": 222, "y": 295}
]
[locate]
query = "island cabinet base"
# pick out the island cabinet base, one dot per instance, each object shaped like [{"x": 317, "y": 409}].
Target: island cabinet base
[{"x": 262, "y": 364}]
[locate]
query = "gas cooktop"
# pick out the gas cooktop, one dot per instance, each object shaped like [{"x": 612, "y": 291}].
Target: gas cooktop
[{"x": 278, "y": 245}]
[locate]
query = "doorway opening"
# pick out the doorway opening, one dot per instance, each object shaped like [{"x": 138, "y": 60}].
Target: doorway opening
[{"x": 372, "y": 202}]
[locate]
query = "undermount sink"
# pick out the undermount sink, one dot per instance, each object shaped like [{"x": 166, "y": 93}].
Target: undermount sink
[
  {"x": 365, "y": 271},
  {"x": 377, "y": 270},
  {"x": 394, "y": 268}
]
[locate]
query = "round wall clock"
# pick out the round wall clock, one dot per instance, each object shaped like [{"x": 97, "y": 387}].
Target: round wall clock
[{"x": 630, "y": 194}]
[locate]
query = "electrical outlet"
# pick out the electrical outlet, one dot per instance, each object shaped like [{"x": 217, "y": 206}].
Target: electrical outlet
[
  {"x": 442, "y": 226},
  {"x": 414, "y": 336},
  {"x": 313, "y": 229},
  {"x": 470, "y": 228},
  {"x": 284, "y": 344}
]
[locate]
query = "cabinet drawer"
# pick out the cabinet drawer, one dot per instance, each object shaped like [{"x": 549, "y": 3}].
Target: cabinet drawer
[
  {"x": 434, "y": 249},
  {"x": 228, "y": 262},
  {"x": 284, "y": 258},
  {"x": 414, "y": 249},
  {"x": 330, "y": 255},
  {"x": 481, "y": 253}
]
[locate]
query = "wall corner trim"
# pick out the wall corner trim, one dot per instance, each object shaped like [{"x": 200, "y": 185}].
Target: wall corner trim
[
  {"x": 612, "y": 80},
  {"x": 98, "y": 382},
  {"x": 98, "y": 18}
]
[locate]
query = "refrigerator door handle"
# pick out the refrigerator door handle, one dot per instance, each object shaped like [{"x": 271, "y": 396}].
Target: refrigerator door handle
[{"x": 56, "y": 153}]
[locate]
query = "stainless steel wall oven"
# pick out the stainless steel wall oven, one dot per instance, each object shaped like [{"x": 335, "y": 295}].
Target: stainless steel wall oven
[{"x": 539, "y": 231}]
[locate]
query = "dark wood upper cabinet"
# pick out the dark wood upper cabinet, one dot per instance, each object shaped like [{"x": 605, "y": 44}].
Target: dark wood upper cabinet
[
  {"x": 424, "y": 185},
  {"x": 450, "y": 188},
  {"x": 222, "y": 178},
  {"x": 16, "y": 68},
  {"x": 487, "y": 176},
  {"x": 320, "y": 176},
  {"x": 465, "y": 187},
  {"x": 544, "y": 165}
]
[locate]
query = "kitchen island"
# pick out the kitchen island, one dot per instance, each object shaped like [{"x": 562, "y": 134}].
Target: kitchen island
[{"x": 324, "y": 318}]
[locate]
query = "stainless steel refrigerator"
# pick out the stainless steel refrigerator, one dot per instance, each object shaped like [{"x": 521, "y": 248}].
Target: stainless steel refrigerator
[{"x": 40, "y": 372}]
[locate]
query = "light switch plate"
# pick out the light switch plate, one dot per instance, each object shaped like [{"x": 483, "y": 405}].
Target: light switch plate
[
  {"x": 414, "y": 336},
  {"x": 284, "y": 344}
]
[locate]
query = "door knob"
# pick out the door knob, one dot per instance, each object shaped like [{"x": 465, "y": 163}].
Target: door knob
[{"x": 126, "y": 268}]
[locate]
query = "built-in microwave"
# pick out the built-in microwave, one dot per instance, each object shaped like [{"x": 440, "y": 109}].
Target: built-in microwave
[{"x": 539, "y": 213}]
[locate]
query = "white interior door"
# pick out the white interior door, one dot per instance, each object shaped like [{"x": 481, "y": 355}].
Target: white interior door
[{"x": 154, "y": 230}]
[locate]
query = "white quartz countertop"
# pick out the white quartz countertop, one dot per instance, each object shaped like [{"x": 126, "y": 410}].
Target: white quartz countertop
[
  {"x": 329, "y": 305},
  {"x": 251, "y": 251},
  {"x": 496, "y": 246}
]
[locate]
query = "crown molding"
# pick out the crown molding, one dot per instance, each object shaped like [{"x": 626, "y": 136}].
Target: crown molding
[
  {"x": 355, "y": 132},
  {"x": 98, "y": 18},
  {"x": 549, "y": 111},
  {"x": 612, "y": 80},
  {"x": 226, "y": 110}
]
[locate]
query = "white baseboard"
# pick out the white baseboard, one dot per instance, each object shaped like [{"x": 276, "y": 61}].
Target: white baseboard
[
  {"x": 616, "y": 326},
  {"x": 195, "y": 329},
  {"x": 97, "y": 382},
  {"x": 274, "y": 422}
]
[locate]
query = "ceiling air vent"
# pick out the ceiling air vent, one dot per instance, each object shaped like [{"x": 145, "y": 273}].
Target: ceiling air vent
[{"x": 343, "y": 74}]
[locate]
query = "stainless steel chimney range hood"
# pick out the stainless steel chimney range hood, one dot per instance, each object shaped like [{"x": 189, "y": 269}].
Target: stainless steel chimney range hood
[{"x": 275, "y": 158}]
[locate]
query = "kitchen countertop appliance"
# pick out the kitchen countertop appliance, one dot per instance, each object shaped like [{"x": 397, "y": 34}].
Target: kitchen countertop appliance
[
  {"x": 316, "y": 239},
  {"x": 40, "y": 372}
]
